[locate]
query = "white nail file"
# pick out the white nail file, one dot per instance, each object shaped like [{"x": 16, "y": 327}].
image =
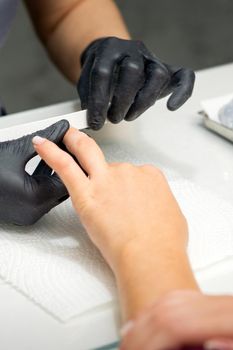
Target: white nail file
[{"x": 76, "y": 119}]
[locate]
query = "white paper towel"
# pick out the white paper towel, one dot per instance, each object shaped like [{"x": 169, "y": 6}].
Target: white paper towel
[
  {"x": 210, "y": 222},
  {"x": 55, "y": 265}
]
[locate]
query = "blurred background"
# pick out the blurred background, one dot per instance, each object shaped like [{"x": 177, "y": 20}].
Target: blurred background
[{"x": 196, "y": 34}]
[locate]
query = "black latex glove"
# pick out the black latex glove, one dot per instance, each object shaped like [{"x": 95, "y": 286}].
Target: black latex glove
[
  {"x": 26, "y": 198},
  {"x": 121, "y": 79}
]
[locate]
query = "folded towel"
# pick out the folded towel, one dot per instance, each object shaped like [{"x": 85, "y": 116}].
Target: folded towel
[{"x": 55, "y": 265}]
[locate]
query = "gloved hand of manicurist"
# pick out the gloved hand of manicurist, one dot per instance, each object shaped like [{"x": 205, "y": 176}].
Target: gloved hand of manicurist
[
  {"x": 120, "y": 79},
  {"x": 25, "y": 198}
]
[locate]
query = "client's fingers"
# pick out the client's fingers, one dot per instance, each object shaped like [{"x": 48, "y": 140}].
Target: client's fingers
[
  {"x": 87, "y": 152},
  {"x": 63, "y": 164}
]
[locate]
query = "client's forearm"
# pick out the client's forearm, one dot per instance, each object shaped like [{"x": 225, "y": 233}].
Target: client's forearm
[
  {"x": 68, "y": 27},
  {"x": 145, "y": 274}
]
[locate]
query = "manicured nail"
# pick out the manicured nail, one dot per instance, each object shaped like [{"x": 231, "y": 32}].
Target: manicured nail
[
  {"x": 38, "y": 140},
  {"x": 126, "y": 328}
]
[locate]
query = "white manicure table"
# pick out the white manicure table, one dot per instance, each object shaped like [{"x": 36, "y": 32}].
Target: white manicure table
[{"x": 182, "y": 143}]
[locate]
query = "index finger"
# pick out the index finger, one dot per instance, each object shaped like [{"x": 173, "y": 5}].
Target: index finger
[
  {"x": 185, "y": 79},
  {"x": 86, "y": 150},
  {"x": 63, "y": 164},
  {"x": 101, "y": 79}
]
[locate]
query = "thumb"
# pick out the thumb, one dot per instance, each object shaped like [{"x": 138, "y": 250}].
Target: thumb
[{"x": 54, "y": 133}]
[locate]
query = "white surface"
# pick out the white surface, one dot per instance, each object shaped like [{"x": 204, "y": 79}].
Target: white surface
[
  {"x": 210, "y": 223},
  {"x": 177, "y": 140}
]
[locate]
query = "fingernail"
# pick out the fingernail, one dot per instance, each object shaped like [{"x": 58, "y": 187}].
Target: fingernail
[
  {"x": 126, "y": 328},
  {"x": 38, "y": 140}
]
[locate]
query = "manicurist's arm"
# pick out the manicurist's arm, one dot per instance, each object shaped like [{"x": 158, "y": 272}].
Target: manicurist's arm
[
  {"x": 132, "y": 217},
  {"x": 67, "y": 27}
]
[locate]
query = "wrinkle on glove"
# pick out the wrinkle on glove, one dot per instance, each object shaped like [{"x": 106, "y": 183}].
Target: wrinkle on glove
[
  {"x": 25, "y": 198},
  {"x": 121, "y": 79}
]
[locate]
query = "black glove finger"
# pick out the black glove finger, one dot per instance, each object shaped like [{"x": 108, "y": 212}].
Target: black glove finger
[
  {"x": 84, "y": 81},
  {"x": 183, "y": 82},
  {"x": 48, "y": 191},
  {"x": 42, "y": 169},
  {"x": 157, "y": 78},
  {"x": 63, "y": 193},
  {"x": 54, "y": 133},
  {"x": 130, "y": 80},
  {"x": 57, "y": 191},
  {"x": 50, "y": 183},
  {"x": 101, "y": 80}
]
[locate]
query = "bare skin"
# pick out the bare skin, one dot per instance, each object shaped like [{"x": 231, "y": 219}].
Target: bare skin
[
  {"x": 67, "y": 27},
  {"x": 131, "y": 215},
  {"x": 181, "y": 318}
]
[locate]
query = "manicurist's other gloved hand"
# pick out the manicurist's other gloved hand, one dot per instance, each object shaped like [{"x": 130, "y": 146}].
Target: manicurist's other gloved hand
[
  {"x": 121, "y": 79},
  {"x": 25, "y": 198}
]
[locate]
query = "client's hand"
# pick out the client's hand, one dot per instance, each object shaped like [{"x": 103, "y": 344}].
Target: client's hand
[
  {"x": 183, "y": 318},
  {"x": 120, "y": 205},
  {"x": 130, "y": 214}
]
